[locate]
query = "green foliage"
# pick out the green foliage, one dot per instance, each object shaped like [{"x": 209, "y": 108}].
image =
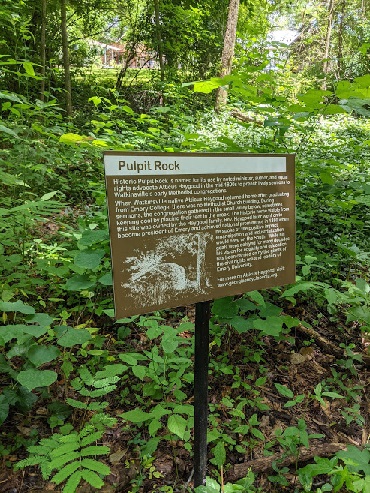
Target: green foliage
[{"x": 72, "y": 455}]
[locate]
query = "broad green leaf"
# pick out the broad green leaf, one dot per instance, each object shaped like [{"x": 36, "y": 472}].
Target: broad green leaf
[
  {"x": 91, "y": 236},
  {"x": 28, "y": 67},
  {"x": 356, "y": 459},
  {"x": 257, "y": 433},
  {"x": 79, "y": 283},
  {"x": 136, "y": 416},
  {"x": 242, "y": 324},
  {"x": 96, "y": 100},
  {"x": 272, "y": 326},
  {"x": 73, "y": 337},
  {"x": 208, "y": 86},
  {"x": 225, "y": 308},
  {"x": 16, "y": 306},
  {"x": 140, "y": 371},
  {"x": 40, "y": 354},
  {"x": 106, "y": 280},
  {"x": 333, "y": 395},
  {"x": 32, "y": 379},
  {"x": 154, "y": 426},
  {"x": 177, "y": 425},
  {"x": 169, "y": 343},
  {"x": 257, "y": 297},
  {"x": 89, "y": 259}
]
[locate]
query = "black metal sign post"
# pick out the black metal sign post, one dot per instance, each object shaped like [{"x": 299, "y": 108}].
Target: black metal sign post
[{"x": 201, "y": 359}]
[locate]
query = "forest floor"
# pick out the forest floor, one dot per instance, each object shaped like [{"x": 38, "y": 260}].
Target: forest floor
[{"x": 301, "y": 362}]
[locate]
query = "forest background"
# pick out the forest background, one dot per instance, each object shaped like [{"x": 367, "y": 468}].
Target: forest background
[{"x": 92, "y": 403}]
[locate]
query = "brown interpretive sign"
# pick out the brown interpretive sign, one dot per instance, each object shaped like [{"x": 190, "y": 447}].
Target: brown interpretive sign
[{"x": 191, "y": 227}]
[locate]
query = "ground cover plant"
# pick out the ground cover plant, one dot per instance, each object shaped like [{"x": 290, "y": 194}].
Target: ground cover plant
[{"x": 89, "y": 403}]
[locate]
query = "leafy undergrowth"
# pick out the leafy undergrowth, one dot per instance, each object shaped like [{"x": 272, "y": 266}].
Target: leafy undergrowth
[{"x": 88, "y": 404}]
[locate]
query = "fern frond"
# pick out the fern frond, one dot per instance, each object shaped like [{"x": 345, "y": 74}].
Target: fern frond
[
  {"x": 96, "y": 466},
  {"x": 76, "y": 404},
  {"x": 93, "y": 437},
  {"x": 86, "y": 376},
  {"x": 73, "y": 482},
  {"x": 95, "y": 450},
  {"x": 106, "y": 382},
  {"x": 111, "y": 371},
  {"x": 97, "y": 393},
  {"x": 97, "y": 406},
  {"x": 65, "y": 449},
  {"x": 92, "y": 478},
  {"x": 65, "y": 472},
  {"x": 35, "y": 460},
  {"x": 102, "y": 420},
  {"x": 58, "y": 462}
]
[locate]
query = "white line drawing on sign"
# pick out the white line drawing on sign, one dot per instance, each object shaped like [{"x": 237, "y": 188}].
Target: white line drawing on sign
[{"x": 176, "y": 264}]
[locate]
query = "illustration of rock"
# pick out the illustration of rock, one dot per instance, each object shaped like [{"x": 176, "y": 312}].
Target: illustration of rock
[{"x": 175, "y": 265}]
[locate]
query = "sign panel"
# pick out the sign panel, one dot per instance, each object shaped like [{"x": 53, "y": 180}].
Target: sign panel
[{"x": 187, "y": 227}]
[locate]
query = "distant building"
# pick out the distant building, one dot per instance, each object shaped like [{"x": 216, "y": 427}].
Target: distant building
[{"x": 115, "y": 55}]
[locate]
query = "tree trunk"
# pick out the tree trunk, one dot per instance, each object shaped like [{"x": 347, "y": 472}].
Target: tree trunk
[
  {"x": 159, "y": 38},
  {"x": 228, "y": 51},
  {"x": 67, "y": 74},
  {"x": 43, "y": 49},
  {"x": 329, "y": 29},
  {"x": 340, "y": 40}
]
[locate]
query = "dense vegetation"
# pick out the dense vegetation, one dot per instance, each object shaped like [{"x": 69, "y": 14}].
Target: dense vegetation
[{"x": 92, "y": 403}]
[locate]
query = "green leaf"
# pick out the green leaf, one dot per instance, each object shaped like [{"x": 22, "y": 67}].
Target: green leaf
[
  {"x": 169, "y": 343},
  {"x": 106, "y": 280},
  {"x": 92, "y": 478},
  {"x": 48, "y": 196},
  {"x": 177, "y": 425},
  {"x": 219, "y": 453},
  {"x": 65, "y": 472},
  {"x": 32, "y": 379},
  {"x": 225, "y": 308},
  {"x": 71, "y": 138},
  {"x": 72, "y": 483},
  {"x": 242, "y": 324},
  {"x": 257, "y": 433},
  {"x": 38, "y": 355},
  {"x": 272, "y": 326},
  {"x": 72, "y": 337},
  {"x": 154, "y": 426},
  {"x": 96, "y": 466},
  {"x": 136, "y": 416},
  {"x": 16, "y": 306},
  {"x": 79, "y": 283},
  {"x": 95, "y": 450},
  {"x": 356, "y": 459},
  {"x": 140, "y": 371},
  {"x": 284, "y": 391},
  {"x": 333, "y": 395},
  {"x": 4, "y": 408},
  {"x": 28, "y": 67},
  {"x": 96, "y": 100},
  {"x": 89, "y": 259},
  {"x": 9, "y": 131}
]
